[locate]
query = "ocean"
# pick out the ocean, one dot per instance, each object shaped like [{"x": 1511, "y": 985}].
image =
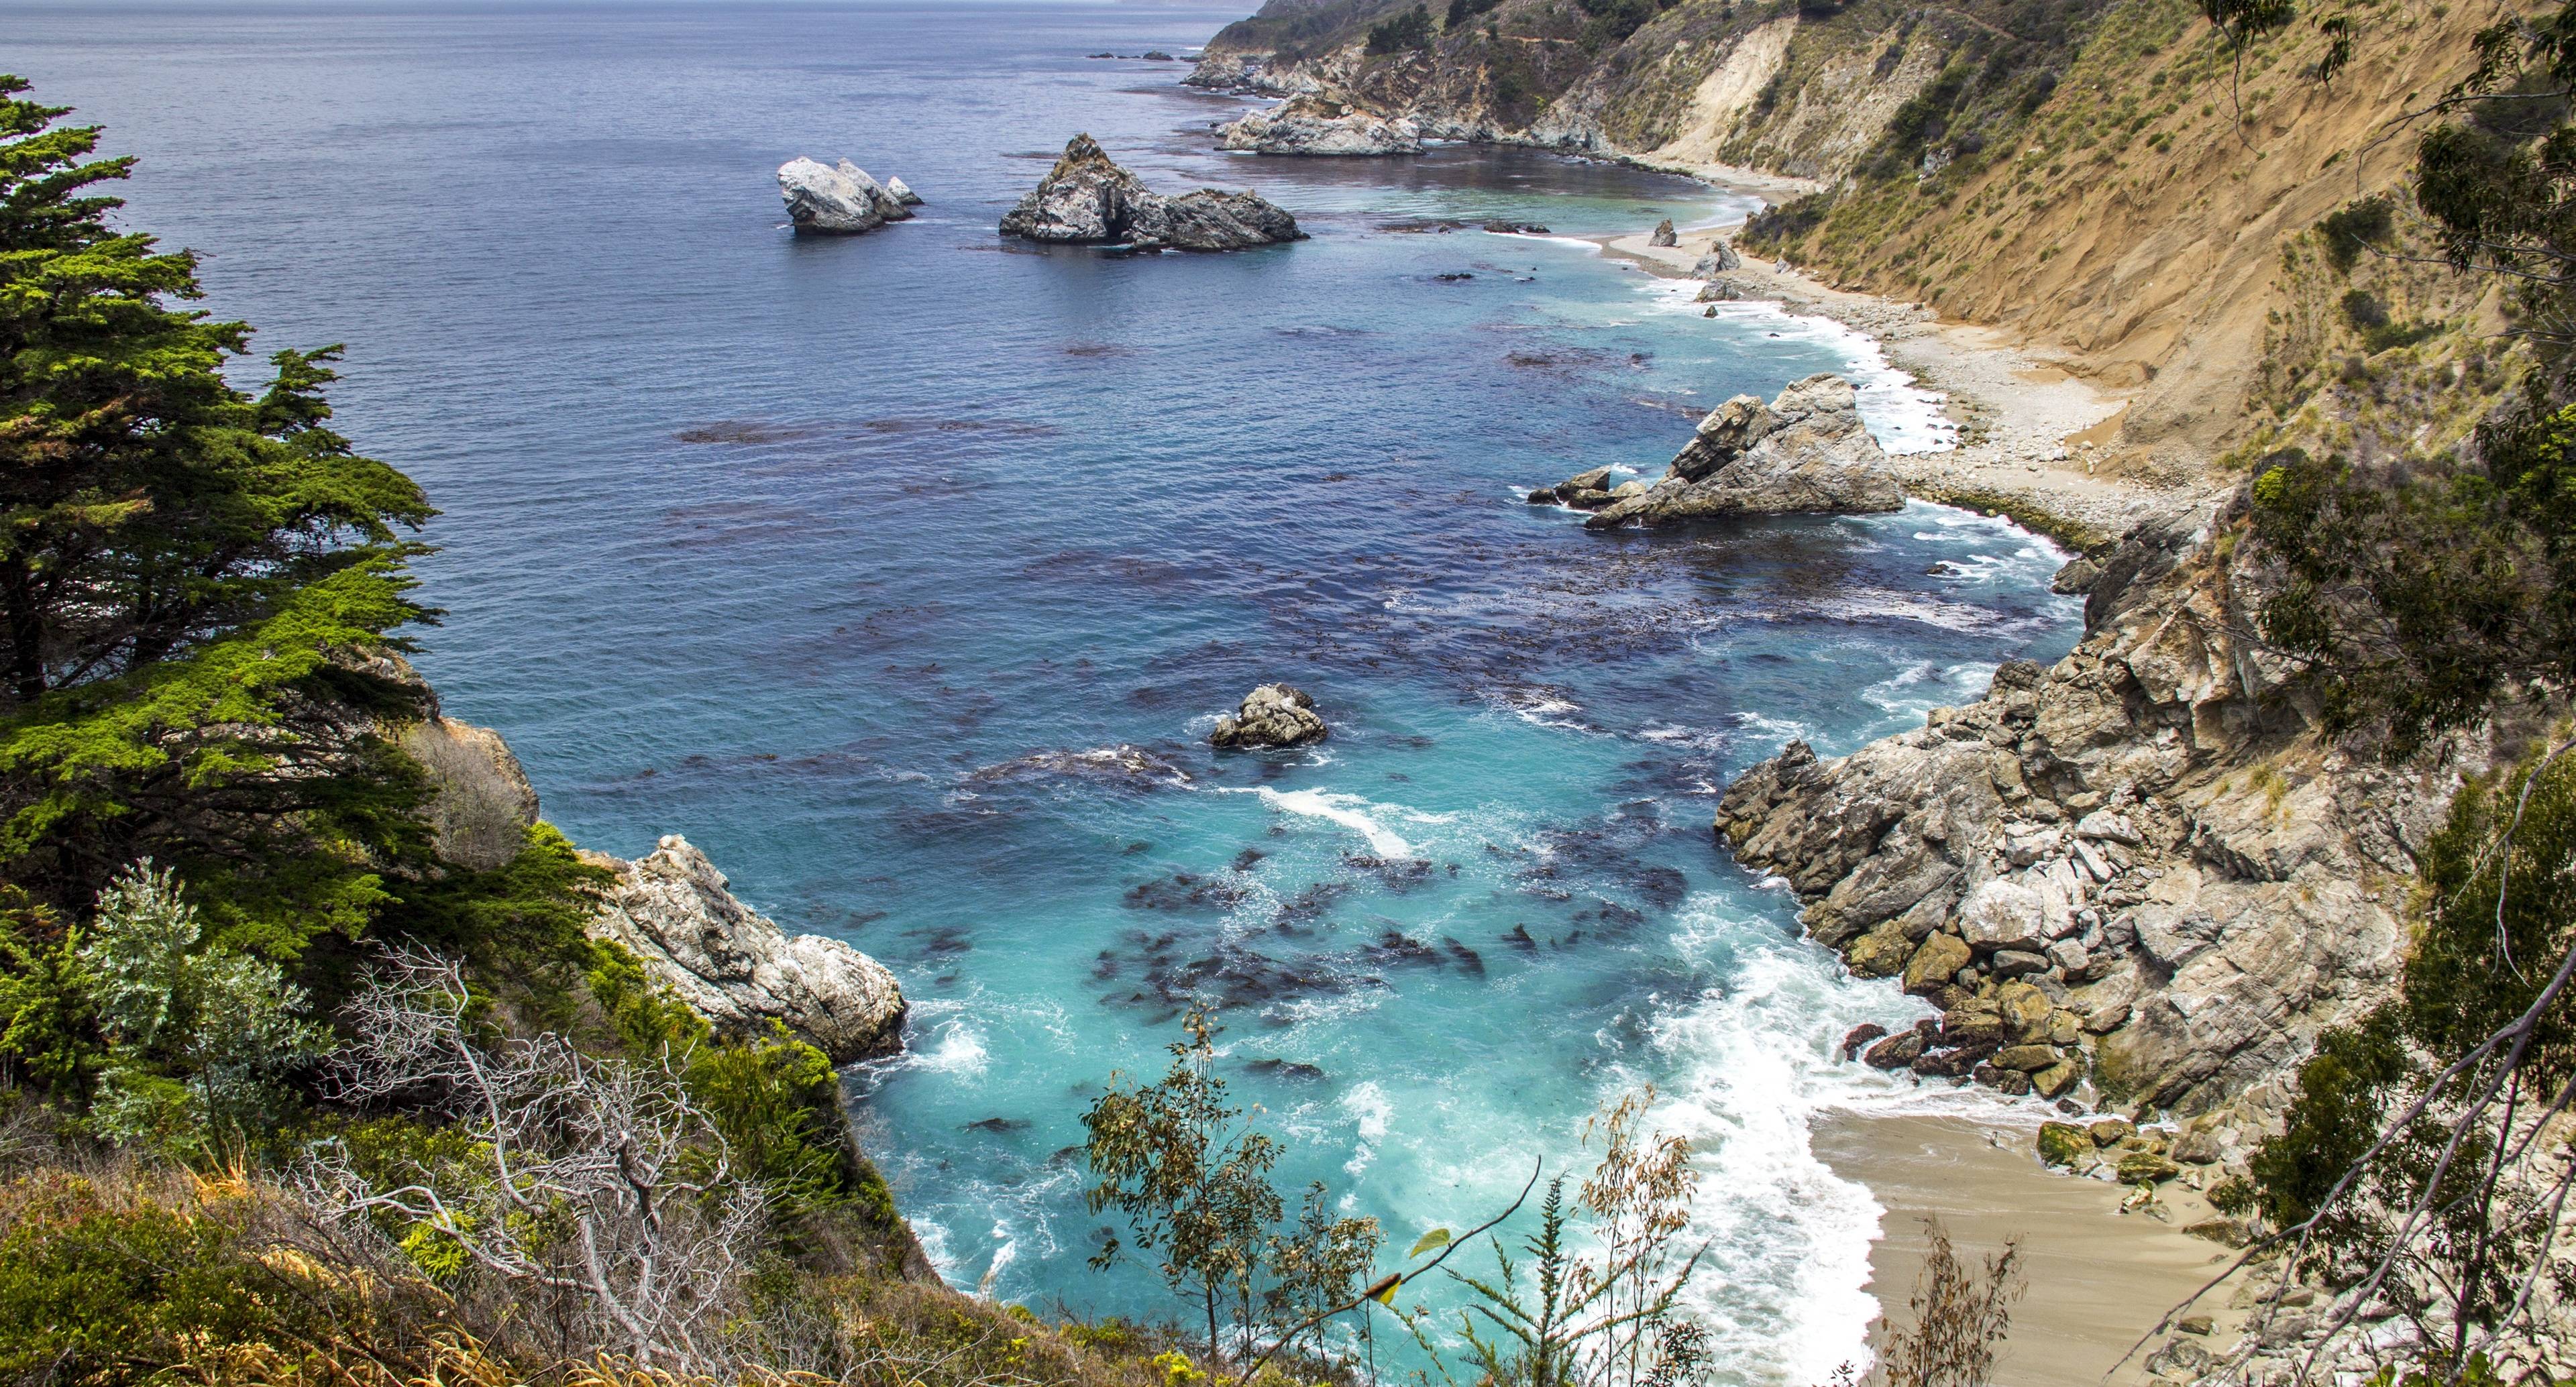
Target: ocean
[{"x": 906, "y": 574}]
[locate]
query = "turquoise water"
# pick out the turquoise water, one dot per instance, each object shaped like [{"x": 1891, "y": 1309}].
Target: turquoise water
[{"x": 849, "y": 558}]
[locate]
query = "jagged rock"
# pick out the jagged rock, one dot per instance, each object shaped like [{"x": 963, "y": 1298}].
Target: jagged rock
[
  {"x": 677, "y": 914},
  {"x": 1716, "y": 291},
  {"x": 483, "y": 804},
  {"x": 2180, "y": 1358},
  {"x": 1859, "y": 1036},
  {"x": 1316, "y": 124},
  {"x": 1936, "y": 960},
  {"x": 1895, "y": 1052},
  {"x": 1881, "y": 953},
  {"x": 1721, "y": 257},
  {"x": 841, "y": 201},
  {"x": 2146, "y": 1167},
  {"x": 1088, "y": 198},
  {"x": 902, "y": 194},
  {"x": 2076, "y": 576},
  {"x": 2029, "y": 1059},
  {"x": 2017, "y": 963},
  {"x": 2062, "y": 1143},
  {"x": 2056, "y": 1079},
  {"x": 1663, "y": 234},
  {"x": 1272, "y": 715},
  {"x": 2011, "y": 1082},
  {"x": 1955, "y": 1063},
  {"x": 1502, "y": 228},
  {"x": 2111, "y": 1131},
  {"x": 1805, "y": 453},
  {"x": 2150, "y": 800}
]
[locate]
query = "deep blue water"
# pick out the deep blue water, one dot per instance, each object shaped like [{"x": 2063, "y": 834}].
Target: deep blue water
[{"x": 835, "y": 555}]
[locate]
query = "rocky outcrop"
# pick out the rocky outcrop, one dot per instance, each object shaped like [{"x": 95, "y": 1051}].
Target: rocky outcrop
[
  {"x": 1272, "y": 715},
  {"x": 2142, "y": 858},
  {"x": 1720, "y": 258},
  {"x": 840, "y": 201},
  {"x": 678, "y": 914},
  {"x": 673, "y": 909},
  {"x": 1663, "y": 235},
  {"x": 1805, "y": 453},
  {"x": 1088, "y": 198},
  {"x": 1319, "y": 125}
]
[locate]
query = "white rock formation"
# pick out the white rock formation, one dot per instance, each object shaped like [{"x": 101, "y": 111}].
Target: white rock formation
[
  {"x": 841, "y": 201},
  {"x": 1320, "y": 125},
  {"x": 677, "y": 913}
]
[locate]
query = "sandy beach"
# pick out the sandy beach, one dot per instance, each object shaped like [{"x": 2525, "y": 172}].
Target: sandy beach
[
  {"x": 2098, "y": 1279},
  {"x": 2029, "y": 423}
]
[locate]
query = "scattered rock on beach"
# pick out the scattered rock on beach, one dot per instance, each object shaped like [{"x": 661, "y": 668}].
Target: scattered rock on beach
[
  {"x": 1315, "y": 124},
  {"x": 1720, "y": 258},
  {"x": 1663, "y": 235},
  {"x": 1088, "y": 198},
  {"x": 1804, "y": 453},
  {"x": 841, "y": 200},
  {"x": 1272, "y": 715}
]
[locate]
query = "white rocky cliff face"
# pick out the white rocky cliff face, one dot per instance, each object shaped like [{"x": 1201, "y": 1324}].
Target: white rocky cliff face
[
  {"x": 2140, "y": 865},
  {"x": 841, "y": 200},
  {"x": 1319, "y": 125},
  {"x": 673, "y": 910},
  {"x": 676, "y": 912}
]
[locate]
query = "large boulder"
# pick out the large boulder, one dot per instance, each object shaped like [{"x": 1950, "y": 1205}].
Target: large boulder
[
  {"x": 1804, "y": 453},
  {"x": 1087, "y": 198},
  {"x": 1272, "y": 715},
  {"x": 679, "y": 915},
  {"x": 1721, "y": 257},
  {"x": 1319, "y": 125},
  {"x": 839, "y": 201}
]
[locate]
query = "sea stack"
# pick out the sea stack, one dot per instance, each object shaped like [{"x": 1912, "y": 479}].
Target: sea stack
[
  {"x": 840, "y": 201},
  {"x": 1086, "y": 198},
  {"x": 1272, "y": 715},
  {"x": 1804, "y": 453}
]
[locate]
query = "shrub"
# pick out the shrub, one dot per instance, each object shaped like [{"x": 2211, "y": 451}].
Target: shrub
[{"x": 1404, "y": 33}]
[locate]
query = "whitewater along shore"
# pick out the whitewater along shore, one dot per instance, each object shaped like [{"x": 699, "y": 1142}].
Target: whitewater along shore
[
  {"x": 2029, "y": 424},
  {"x": 2099, "y": 1279}
]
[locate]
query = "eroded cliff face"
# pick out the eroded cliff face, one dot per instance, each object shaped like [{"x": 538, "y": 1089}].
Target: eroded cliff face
[{"x": 2150, "y": 835}]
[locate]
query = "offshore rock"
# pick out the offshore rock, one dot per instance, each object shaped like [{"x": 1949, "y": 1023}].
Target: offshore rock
[
  {"x": 840, "y": 201},
  {"x": 1805, "y": 453},
  {"x": 1319, "y": 125},
  {"x": 1088, "y": 198},
  {"x": 677, "y": 913},
  {"x": 2209, "y": 882},
  {"x": 902, "y": 194},
  {"x": 1272, "y": 715}
]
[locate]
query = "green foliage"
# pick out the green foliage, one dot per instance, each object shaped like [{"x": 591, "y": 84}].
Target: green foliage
[
  {"x": 2477, "y": 964},
  {"x": 201, "y": 1038},
  {"x": 94, "y": 1291},
  {"x": 776, "y": 1101},
  {"x": 1608, "y": 23},
  {"x": 1460, "y": 11},
  {"x": 48, "y": 1024},
  {"x": 194, "y": 583},
  {"x": 1405, "y": 33},
  {"x": 2353, "y": 228},
  {"x": 2414, "y": 599}
]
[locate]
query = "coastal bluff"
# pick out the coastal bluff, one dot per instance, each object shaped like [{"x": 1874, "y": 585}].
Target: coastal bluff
[
  {"x": 1089, "y": 199},
  {"x": 1318, "y": 125},
  {"x": 672, "y": 909},
  {"x": 2141, "y": 863}
]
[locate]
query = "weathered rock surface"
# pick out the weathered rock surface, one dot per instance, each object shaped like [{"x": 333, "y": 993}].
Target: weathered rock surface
[
  {"x": 2208, "y": 884},
  {"x": 840, "y": 201},
  {"x": 1088, "y": 198},
  {"x": 1663, "y": 234},
  {"x": 678, "y": 914},
  {"x": 1319, "y": 125},
  {"x": 1721, "y": 257},
  {"x": 1272, "y": 715},
  {"x": 1805, "y": 453}
]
